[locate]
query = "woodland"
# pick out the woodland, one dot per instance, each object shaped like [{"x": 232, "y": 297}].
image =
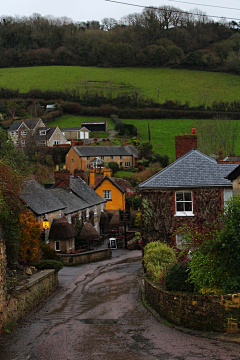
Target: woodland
[{"x": 164, "y": 36}]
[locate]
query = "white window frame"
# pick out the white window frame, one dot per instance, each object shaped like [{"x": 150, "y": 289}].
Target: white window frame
[
  {"x": 59, "y": 214},
  {"x": 70, "y": 244},
  {"x": 87, "y": 213},
  {"x": 102, "y": 207},
  {"x": 127, "y": 164},
  {"x": 57, "y": 142},
  {"x": 69, "y": 219},
  {"x": 95, "y": 210},
  {"x": 184, "y": 202},
  {"x": 24, "y": 142},
  {"x": 80, "y": 215},
  {"x": 42, "y": 132},
  {"x": 107, "y": 194},
  {"x": 121, "y": 157},
  {"x": 57, "y": 248},
  {"x": 24, "y": 132},
  {"x": 228, "y": 193},
  {"x": 88, "y": 158}
]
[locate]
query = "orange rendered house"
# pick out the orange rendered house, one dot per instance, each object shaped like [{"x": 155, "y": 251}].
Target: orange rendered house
[{"x": 111, "y": 190}]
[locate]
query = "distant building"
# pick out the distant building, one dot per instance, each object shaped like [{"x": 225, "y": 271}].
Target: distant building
[
  {"x": 76, "y": 133},
  {"x": 95, "y": 126}
]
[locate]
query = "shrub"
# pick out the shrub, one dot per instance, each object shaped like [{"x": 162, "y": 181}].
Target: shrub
[
  {"x": 48, "y": 253},
  {"x": 49, "y": 264},
  {"x": 158, "y": 257},
  {"x": 176, "y": 278}
]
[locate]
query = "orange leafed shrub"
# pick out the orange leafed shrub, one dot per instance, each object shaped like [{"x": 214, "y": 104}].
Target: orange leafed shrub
[{"x": 30, "y": 233}]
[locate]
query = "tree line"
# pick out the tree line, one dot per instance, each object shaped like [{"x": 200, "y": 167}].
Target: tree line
[{"x": 156, "y": 37}]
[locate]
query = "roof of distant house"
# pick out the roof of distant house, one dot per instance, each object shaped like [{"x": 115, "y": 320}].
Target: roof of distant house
[
  {"x": 105, "y": 150},
  {"x": 193, "y": 169},
  {"x": 71, "y": 201},
  {"x": 30, "y": 123}
]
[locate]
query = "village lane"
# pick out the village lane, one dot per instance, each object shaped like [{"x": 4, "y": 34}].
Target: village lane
[{"x": 96, "y": 314}]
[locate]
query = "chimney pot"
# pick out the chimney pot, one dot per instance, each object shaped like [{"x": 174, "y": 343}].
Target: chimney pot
[{"x": 193, "y": 131}]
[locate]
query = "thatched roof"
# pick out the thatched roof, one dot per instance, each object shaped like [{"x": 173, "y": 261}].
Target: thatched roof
[
  {"x": 61, "y": 230},
  {"x": 89, "y": 232},
  {"x": 114, "y": 222}
]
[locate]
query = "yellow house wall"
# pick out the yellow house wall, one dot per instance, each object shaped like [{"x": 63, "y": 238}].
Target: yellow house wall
[
  {"x": 118, "y": 198},
  {"x": 73, "y": 161}
]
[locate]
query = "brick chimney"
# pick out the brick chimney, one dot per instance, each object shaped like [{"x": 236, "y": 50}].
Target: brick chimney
[
  {"x": 62, "y": 178},
  {"x": 185, "y": 143},
  {"x": 124, "y": 143},
  {"x": 107, "y": 171},
  {"x": 92, "y": 177}
]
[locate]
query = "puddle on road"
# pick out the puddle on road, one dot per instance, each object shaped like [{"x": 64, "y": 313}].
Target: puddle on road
[{"x": 98, "y": 321}]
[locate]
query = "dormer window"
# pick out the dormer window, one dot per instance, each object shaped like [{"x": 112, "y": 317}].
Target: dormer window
[{"x": 42, "y": 132}]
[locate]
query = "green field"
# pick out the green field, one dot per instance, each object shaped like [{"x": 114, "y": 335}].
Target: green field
[
  {"x": 74, "y": 121},
  {"x": 173, "y": 84}
]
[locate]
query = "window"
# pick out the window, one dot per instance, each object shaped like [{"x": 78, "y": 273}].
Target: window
[
  {"x": 16, "y": 133},
  {"x": 24, "y": 142},
  {"x": 88, "y": 158},
  {"x": 88, "y": 166},
  {"x": 69, "y": 218},
  {"x": 23, "y": 132},
  {"x": 16, "y": 142},
  {"x": 59, "y": 214},
  {"x": 184, "y": 206},
  {"x": 57, "y": 246},
  {"x": 127, "y": 164},
  {"x": 102, "y": 157},
  {"x": 12, "y": 133},
  {"x": 111, "y": 157},
  {"x": 87, "y": 213},
  {"x": 227, "y": 195},
  {"x": 57, "y": 142},
  {"x": 70, "y": 244},
  {"x": 79, "y": 215},
  {"x": 95, "y": 210},
  {"x": 102, "y": 207},
  {"x": 107, "y": 194},
  {"x": 43, "y": 142},
  {"x": 42, "y": 132},
  {"x": 121, "y": 157}
]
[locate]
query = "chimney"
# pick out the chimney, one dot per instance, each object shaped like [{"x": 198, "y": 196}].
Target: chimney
[
  {"x": 62, "y": 178},
  {"x": 185, "y": 143},
  {"x": 107, "y": 171},
  {"x": 124, "y": 143},
  {"x": 92, "y": 177},
  {"x": 79, "y": 173},
  {"x": 220, "y": 153}
]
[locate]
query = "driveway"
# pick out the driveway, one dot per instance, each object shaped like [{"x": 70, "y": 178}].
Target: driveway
[{"x": 96, "y": 314}]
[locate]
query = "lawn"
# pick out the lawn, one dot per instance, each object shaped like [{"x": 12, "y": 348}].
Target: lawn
[
  {"x": 74, "y": 121},
  {"x": 156, "y": 83}
]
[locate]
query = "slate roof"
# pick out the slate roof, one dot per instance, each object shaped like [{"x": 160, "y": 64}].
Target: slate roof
[
  {"x": 105, "y": 150},
  {"x": 71, "y": 201},
  {"x": 15, "y": 125},
  {"x": 40, "y": 200},
  {"x": 191, "y": 170},
  {"x": 81, "y": 189},
  {"x": 29, "y": 123},
  {"x": 49, "y": 133}
]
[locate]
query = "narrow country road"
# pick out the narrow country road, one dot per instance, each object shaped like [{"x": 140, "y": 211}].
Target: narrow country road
[{"x": 96, "y": 314}]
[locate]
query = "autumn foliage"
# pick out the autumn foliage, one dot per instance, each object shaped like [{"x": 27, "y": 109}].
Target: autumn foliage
[{"x": 30, "y": 233}]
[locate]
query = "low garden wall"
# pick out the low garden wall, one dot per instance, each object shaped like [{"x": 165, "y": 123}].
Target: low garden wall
[
  {"x": 202, "y": 312},
  {"x": 26, "y": 297},
  {"x": 85, "y": 257}
]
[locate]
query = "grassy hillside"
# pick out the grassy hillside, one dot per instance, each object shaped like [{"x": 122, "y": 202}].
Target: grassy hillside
[
  {"x": 74, "y": 121},
  {"x": 173, "y": 84}
]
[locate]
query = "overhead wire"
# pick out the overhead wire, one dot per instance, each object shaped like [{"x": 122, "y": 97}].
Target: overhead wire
[
  {"x": 176, "y": 11},
  {"x": 214, "y": 6}
]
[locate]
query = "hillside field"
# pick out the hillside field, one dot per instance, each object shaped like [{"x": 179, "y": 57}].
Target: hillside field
[
  {"x": 162, "y": 131},
  {"x": 156, "y": 83}
]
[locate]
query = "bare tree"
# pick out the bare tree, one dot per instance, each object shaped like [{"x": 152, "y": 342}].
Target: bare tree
[{"x": 216, "y": 132}]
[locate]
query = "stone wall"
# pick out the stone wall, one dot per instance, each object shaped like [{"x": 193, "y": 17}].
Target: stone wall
[
  {"x": 25, "y": 298},
  {"x": 3, "y": 289},
  {"x": 85, "y": 257},
  {"x": 202, "y": 312}
]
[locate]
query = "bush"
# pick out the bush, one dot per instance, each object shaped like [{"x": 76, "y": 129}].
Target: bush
[
  {"x": 158, "y": 257},
  {"x": 48, "y": 253},
  {"x": 49, "y": 264},
  {"x": 176, "y": 278}
]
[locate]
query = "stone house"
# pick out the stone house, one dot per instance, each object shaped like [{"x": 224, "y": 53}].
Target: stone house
[
  {"x": 192, "y": 189},
  {"x": 24, "y": 132},
  {"x": 80, "y": 157},
  {"x": 76, "y": 133}
]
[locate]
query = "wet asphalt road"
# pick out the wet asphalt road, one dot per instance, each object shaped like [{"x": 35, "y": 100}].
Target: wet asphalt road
[{"x": 96, "y": 314}]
